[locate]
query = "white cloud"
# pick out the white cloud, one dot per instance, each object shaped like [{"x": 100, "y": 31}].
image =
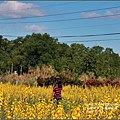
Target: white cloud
[
  {"x": 87, "y": 15},
  {"x": 109, "y": 14},
  {"x": 36, "y": 28},
  {"x": 112, "y": 13},
  {"x": 15, "y": 9}
]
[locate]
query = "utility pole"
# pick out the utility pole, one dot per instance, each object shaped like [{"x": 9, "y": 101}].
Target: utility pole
[
  {"x": 12, "y": 68},
  {"x": 20, "y": 69}
]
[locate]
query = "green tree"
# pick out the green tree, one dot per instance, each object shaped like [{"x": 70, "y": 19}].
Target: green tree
[{"x": 78, "y": 54}]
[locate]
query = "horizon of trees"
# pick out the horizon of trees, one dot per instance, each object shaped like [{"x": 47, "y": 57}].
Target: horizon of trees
[{"x": 41, "y": 49}]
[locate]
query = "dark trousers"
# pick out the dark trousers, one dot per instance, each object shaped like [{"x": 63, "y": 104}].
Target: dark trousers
[{"x": 58, "y": 100}]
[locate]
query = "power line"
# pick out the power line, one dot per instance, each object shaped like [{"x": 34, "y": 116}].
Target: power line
[
  {"x": 89, "y": 35},
  {"x": 63, "y": 20},
  {"x": 93, "y": 40},
  {"x": 74, "y": 27},
  {"x": 97, "y": 40},
  {"x": 64, "y": 13},
  {"x": 59, "y": 4},
  {"x": 13, "y": 36},
  {"x": 84, "y": 26}
]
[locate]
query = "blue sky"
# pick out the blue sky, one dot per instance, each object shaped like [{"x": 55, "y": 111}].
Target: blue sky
[{"x": 21, "y": 18}]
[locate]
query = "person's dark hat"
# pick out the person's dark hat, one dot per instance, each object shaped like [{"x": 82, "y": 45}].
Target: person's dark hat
[{"x": 57, "y": 79}]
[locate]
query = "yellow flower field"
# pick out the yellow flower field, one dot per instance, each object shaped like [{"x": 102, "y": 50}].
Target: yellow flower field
[{"x": 21, "y": 102}]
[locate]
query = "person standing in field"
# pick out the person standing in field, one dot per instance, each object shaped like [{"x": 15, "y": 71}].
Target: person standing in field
[{"x": 57, "y": 89}]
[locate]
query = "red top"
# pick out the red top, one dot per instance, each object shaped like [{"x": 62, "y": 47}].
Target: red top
[{"x": 57, "y": 92}]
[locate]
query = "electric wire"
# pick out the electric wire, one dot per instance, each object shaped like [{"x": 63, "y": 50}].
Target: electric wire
[
  {"x": 95, "y": 40},
  {"x": 63, "y": 13},
  {"x": 73, "y": 27},
  {"x": 70, "y": 36},
  {"x": 92, "y": 40},
  {"x": 89, "y": 35},
  {"x": 64, "y": 20}
]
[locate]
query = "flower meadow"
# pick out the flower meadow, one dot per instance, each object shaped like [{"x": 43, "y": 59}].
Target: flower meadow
[{"x": 25, "y": 102}]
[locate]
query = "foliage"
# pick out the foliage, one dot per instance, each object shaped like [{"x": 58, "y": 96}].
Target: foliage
[
  {"x": 44, "y": 76},
  {"x": 39, "y": 50}
]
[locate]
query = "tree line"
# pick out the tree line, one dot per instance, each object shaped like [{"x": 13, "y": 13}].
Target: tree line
[{"x": 42, "y": 49}]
